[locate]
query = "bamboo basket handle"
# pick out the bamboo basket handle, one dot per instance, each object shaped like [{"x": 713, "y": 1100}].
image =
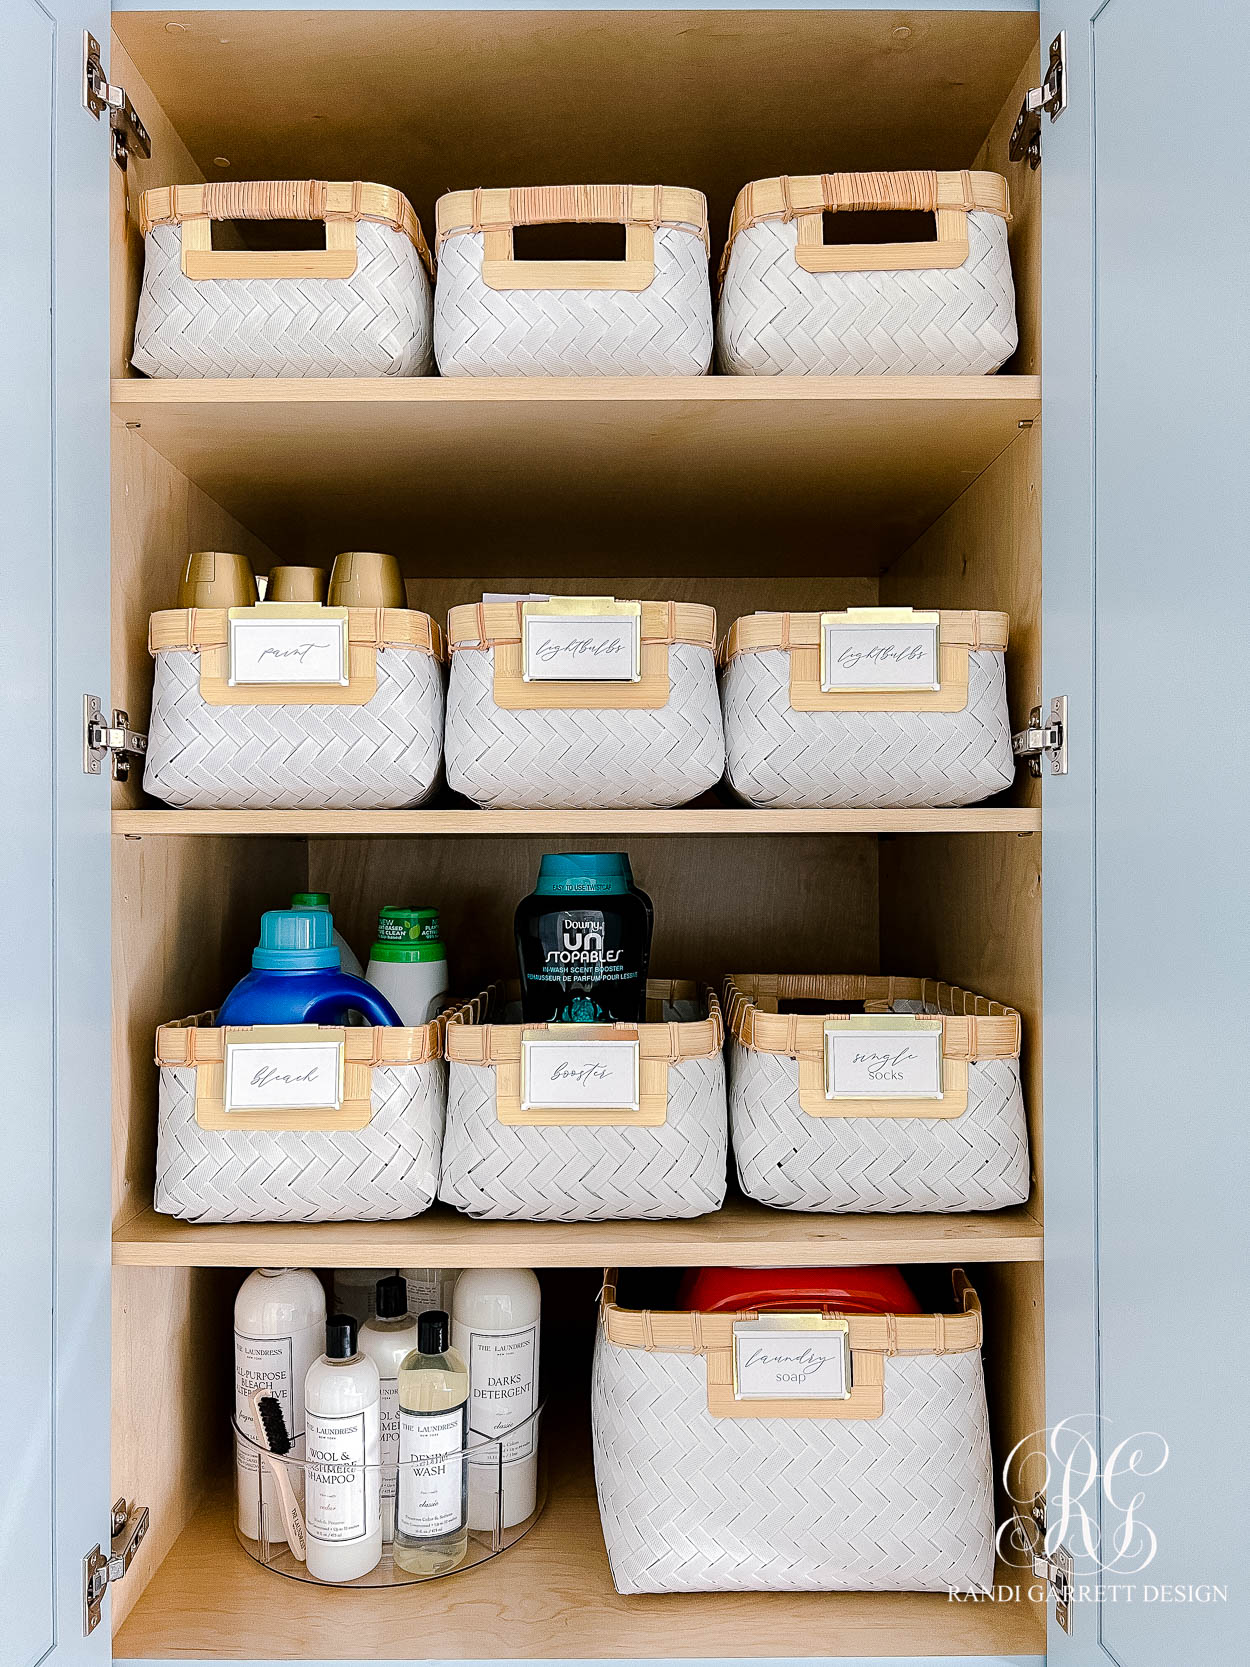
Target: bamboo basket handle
[
  {"x": 543, "y": 205},
  {"x": 340, "y": 204},
  {"x": 913, "y": 190}
]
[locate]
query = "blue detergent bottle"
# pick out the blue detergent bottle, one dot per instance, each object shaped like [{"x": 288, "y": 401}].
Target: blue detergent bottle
[{"x": 297, "y": 977}]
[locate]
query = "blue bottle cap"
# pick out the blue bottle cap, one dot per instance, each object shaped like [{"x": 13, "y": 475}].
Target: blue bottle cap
[
  {"x": 296, "y": 940},
  {"x": 583, "y": 873}
]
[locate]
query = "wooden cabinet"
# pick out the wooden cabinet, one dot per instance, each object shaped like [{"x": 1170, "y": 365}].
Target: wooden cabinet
[{"x": 798, "y": 493}]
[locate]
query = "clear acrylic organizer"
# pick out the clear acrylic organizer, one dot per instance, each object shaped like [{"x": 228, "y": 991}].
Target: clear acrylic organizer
[{"x": 505, "y": 1480}]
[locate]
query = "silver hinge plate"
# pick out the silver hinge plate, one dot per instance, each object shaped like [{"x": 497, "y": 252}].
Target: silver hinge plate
[
  {"x": 128, "y": 1524},
  {"x": 101, "y": 740},
  {"x": 1045, "y": 740},
  {"x": 98, "y": 95},
  {"x": 1055, "y": 1567},
  {"x": 1051, "y": 97}
]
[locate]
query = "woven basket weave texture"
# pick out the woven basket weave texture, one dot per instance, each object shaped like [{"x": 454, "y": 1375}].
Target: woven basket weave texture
[
  {"x": 378, "y": 322},
  {"x": 977, "y": 1161},
  {"x": 616, "y": 759},
  {"x": 516, "y": 1172},
  {"x": 776, "y": 319},
  {"x": 693, "y": 1503},
  {"x": 387, "y": 1171},
  {"x": 384, "y": 755},
  {"x": 663, "y": 330},
  {"x": 872, "y": 760}
]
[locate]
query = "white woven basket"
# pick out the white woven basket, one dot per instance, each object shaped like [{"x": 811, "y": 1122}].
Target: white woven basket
[
  {"x": 790, "y": 744},
  {"x": 890, "y": 1490},
  {"x": 648, "y": 315},
  {"x": 375, "y": 744},
  {"x": 797, "y": 1150},
  {"x": 517, "y": 745},
  {"x": 359, "y": 307},
  {"x": 591, "y": 1166},
  {"x": 792, "y": 305},
  {"x": 376, "y": 1160}
]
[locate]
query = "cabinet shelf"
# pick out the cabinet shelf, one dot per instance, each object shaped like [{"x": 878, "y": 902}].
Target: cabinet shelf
[
  {"x": 743, "y": 1233},
  {"x": 550, "y": 1596},
  {"x": 414, "y": 823},
  {"x": 707, "y": 474}
]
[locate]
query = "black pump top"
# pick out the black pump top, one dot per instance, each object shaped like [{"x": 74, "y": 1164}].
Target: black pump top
[
  {"x": 433, "y": 1331},
  {"x": 340, "y": 1337},
  {"x": 391, "y": 1297}
]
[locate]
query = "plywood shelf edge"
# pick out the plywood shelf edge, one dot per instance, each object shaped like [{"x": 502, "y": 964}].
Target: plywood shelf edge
[
  {"x": 414, "y": 823},
  {"x": 742, "y": 1234}
]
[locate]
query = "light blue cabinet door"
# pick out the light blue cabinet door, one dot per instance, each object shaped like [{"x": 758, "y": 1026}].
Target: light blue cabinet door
[
  {"x": 54, "y": 966},
  {"x": 1146, "y": 379}
]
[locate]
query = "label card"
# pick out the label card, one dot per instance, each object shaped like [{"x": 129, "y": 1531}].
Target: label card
[
  {"x": 894, "y": 1056},
  {"x": 308, "y": 646},
  {"x": 581, "y": 640},
  {"x": 792, "y": 1357},
  {"x": 899, "y": 652},
  {"x": 557, "y": 1075},
  {"x": 283, "y": 1076}
]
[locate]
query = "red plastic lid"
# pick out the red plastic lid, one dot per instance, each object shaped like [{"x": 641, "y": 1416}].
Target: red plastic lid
[{"x": 847, "y": 1290}]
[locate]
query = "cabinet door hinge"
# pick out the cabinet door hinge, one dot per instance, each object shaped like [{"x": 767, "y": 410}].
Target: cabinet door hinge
[
  {"x": 128, "y": 1525},
  {"x": 1051, "y": 96},
  {"x": 1053, "y": 1567},
  {"x": 1045, "y": 740},
  {"x": 101, "y": 740},
  {"x": 98, "y": 95}
]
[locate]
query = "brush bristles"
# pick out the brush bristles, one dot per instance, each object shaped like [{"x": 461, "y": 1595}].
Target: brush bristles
[{"x": 277, "y": 1437}]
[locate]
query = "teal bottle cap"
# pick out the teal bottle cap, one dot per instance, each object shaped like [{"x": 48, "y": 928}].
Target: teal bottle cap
[
  {"x": 296, "y": 940},
  {"x": 407, "y": 935},
  {"x": 583, "y": 873}
]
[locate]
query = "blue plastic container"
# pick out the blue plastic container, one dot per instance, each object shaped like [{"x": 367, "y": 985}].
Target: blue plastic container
[{"x": 296, "y": 978}]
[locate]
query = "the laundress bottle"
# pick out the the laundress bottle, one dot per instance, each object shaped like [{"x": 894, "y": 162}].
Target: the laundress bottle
[{"x": 583, "y": 941}]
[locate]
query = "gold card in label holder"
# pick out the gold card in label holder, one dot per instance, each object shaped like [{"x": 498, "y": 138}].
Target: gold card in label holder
[
  {"x": 883, "y": 1065},
  {"x": 581, "y": 639},
  {"x": 886, "y": 649},
  {"x": 792, "y": 1357},
  {"x": 288, "y": 643}
]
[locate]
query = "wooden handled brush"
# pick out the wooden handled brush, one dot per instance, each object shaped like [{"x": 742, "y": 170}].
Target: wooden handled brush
[{"x": 273, "y": 1435}]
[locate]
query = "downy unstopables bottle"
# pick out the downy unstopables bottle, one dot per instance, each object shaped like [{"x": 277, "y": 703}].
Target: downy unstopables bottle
[{"x": 583, "y": 940}]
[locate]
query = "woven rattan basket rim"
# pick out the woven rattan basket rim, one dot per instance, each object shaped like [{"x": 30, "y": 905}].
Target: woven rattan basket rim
[
  {"x": 197, "y": 628},
  {"x": 974, "y": 1027},
  {"x": 666, "y": 1331},
  {"x": 499, "y": 208},
  {"x": 971, "y": 628},
  {"x": 285, "y": 199},
  {"x": 919, "y": 189},
  {"x": 479, "y": 625},
  {"x": 470, "y": 1043}
]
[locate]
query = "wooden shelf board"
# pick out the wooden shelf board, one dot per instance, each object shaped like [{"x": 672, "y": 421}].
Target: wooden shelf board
[
  {"x": 742, "y": 1234},
  {"x": 485, "y": 823},
  {"x": 834, "y": 475},
  {"x": 550, "y": 1596}
]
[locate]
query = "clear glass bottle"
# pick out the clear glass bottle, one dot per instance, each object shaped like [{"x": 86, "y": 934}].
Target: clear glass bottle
[{"x": 432, "y": 1514}]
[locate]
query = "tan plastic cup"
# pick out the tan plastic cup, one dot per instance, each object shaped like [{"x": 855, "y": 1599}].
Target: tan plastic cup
[
  {"x": 366, "y": 579},
  {"x": 217, "y": 579},
  {"x": 296, "y": 584}
]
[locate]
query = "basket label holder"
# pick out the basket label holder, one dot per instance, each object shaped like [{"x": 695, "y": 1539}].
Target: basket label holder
[
  {"x": 581, "y": 639},
  {"x": 880, "y": 649},
  {"x": 883, "y": 1065},
  {"x": 288, "y": 643},
  {"x": 567, "y": 1067},
  {"x": 283, "y": 1077},
  {"x": 792, "y": 1357}
]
